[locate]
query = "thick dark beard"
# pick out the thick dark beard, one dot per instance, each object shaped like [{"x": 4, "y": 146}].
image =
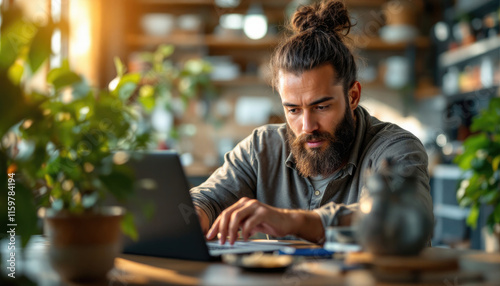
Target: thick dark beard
[{"x": 319, "y": 161}]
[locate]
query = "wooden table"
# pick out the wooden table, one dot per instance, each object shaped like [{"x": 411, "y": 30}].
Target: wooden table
[{"x": 144, "y": 270}]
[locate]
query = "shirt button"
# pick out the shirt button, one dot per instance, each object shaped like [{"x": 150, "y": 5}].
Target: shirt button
[{"x": 317, "y": 193}]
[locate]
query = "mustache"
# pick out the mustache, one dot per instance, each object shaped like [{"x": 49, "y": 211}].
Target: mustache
[{"x": 315, "y": 136}]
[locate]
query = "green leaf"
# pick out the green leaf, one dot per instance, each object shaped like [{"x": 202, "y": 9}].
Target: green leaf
[
  {"x": 165, "y": 50},
  {"x": 40, "y": 49},
  {"x": 496, "y": 213},
  {"x": 465, "y": 202},
  {"x": 119, "y": 182},
  {"x": 128, "y": 226},
  {"x": 473, "y": 216},
  {"x": 495, "y": 163},
  {"x": 126, "y": 85},
  {"x": 148, "y": 103},
  {"x": 464, "y": 160},
  {"x": 120, "y": 67},
  {"x": 15, "y": 72},
  {"x": 147, "y": 91},
  {"x": 13, "y": 39},
  {"x": 477, "y": 142},
  {"x": 13, "y": 105},
  {"x": 490, "y": 196},
  {"x": 62, "y": 77}
]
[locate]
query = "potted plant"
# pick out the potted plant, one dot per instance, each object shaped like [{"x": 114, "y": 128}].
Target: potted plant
[
  {"x": 64, "y": 149},
  {"x": 481, "y": 160},
  {"x": 61, "y": 151}
]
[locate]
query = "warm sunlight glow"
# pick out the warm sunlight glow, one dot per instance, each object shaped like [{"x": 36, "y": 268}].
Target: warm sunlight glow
[
  {"x": 83, "y": 37},
  {"x": 55, "y": 59},
  {"x": 80, "y": 39}
]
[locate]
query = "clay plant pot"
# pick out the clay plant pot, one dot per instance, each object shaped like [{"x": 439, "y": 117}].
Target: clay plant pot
[{"x": 83, "y": 247}]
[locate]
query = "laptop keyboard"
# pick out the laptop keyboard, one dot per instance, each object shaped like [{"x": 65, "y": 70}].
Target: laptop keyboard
[{"x": 219, "y": 247}]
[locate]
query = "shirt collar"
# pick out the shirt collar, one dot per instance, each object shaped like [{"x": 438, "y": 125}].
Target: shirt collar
[{"x": 360, "y": 113}]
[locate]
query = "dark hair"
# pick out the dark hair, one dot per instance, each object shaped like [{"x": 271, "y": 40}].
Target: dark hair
[{"x": 319, "y": 34}]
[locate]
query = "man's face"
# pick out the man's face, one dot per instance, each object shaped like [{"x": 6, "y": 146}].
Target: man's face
[{"x": 320, "y": 122}]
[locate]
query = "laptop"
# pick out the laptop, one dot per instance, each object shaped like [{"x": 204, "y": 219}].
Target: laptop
[{"x": 165, "y": 217}]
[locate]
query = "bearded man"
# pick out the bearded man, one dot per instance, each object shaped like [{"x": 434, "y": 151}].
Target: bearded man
[{"x": 300, "y": 177}]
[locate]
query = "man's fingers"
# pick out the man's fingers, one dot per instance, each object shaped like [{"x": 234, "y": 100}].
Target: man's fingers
[
  {"x": 237, "y": 217},
  {"x": 247, "y": 229},
  {"x": 214, "y": 229},
  {"x": 225, "y": 218}
]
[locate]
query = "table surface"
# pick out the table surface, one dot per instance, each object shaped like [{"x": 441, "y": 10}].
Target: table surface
[{"x": 145, "y": 270}]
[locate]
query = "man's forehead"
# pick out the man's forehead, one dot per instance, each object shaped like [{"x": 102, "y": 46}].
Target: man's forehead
[{"x": 322, "y": 74}]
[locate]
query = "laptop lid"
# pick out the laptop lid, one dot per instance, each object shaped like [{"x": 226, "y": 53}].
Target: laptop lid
[{"x": 164, "y": 214}]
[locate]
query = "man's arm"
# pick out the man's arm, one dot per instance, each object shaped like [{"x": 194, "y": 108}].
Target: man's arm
[
  {"x": 235, "y": 179},
  {"x": 203, "y": 217}
]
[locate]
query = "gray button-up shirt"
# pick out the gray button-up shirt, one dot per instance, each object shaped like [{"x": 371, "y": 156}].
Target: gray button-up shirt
[{"x": 262, "y": 167}]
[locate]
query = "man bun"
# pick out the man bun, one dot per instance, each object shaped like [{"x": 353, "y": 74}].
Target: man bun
[
  {"x": 328, "y": 16},
  {"x": 318, "y": 36}
]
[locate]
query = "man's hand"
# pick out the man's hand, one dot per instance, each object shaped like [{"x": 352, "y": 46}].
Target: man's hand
[{"x": 252, "y": 216}]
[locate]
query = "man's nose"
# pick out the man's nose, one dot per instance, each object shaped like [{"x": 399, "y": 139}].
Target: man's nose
[{"x": 309, "y": 123}]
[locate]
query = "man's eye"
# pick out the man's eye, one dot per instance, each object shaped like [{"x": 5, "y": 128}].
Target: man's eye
[
  {"x": 293, "y": 110},
  {"x": 322, "y": 107}
]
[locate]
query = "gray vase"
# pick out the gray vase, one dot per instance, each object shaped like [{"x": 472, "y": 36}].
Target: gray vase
[{"x": 391, "y": 219}]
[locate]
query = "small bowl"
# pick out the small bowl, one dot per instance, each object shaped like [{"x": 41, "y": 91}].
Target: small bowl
[
  {"x": 259, "y": 262},
  {"x": 158, "y": 24}
]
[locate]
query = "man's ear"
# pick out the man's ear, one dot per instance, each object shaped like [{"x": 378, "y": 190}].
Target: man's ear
[{"x": 354, "y": 95}]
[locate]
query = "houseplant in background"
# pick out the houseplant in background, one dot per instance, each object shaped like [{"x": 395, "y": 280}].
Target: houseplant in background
[
  {"x": 481, "y": 160},
  {"x": 163, "y": 90}
]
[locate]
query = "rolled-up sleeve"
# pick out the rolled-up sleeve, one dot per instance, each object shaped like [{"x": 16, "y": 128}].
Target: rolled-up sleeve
[
  {"x": 235, "y": 179},
  {"x": 331, "y": 212}
]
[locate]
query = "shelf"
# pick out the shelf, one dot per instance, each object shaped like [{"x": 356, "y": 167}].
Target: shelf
[
  {"x": 280, "y": 3},
  {"x": 468, "y": 52},
  {"x": 484, "y": 93},
  {"x": 242, "y": 81},
  {"x": 214, "y": 41},
  {"x": 138, "y": 40},
  {"x": 476, "y": 7},
  {"x": 377, "y": 43},
  {"x": 186, "y": 40},
  {"x": 221, "y": 42},
  {"x": 208, "y": 2}
]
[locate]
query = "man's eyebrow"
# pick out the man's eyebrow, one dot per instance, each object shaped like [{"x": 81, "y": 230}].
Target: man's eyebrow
[{"x": 310, "y": 104}]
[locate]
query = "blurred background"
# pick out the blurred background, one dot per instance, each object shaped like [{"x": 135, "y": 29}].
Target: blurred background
[{"x": 429, "y": 66}]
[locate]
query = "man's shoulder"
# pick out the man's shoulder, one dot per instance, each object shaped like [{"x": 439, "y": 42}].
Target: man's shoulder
[
  {"x": 382, "y": 133},
  {"x": 271, "y": 130},
  {"x": 270, "y": 135},
  {"x": 378, "y": 129}
]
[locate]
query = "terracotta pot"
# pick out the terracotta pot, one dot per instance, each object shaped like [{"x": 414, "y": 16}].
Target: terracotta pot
[{"x": 83, "y": 247}]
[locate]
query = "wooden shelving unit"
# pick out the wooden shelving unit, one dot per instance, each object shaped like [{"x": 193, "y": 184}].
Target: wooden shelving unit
[
  {"x": 280, "y": 3},
  {"x": 242, "y": 81},
  {"x": 377, "y": 43},
  {"x": 214, "y": 41},
  {"x": 462, "y": 54}
]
